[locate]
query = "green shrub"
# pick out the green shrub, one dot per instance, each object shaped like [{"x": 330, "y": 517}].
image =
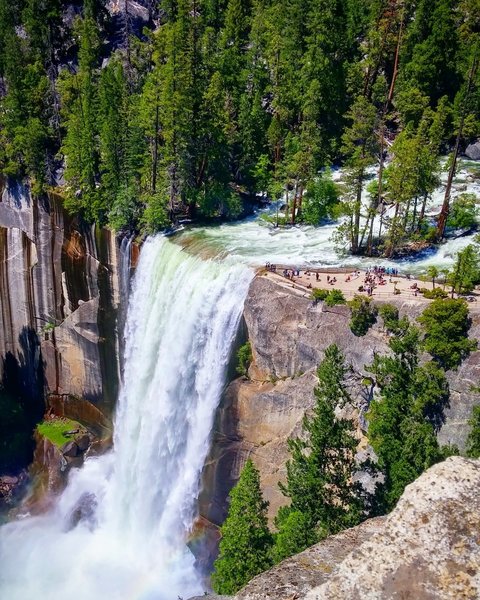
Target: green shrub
[
  {"x": 244, "y": 358},
  {"x": 335, "y": 297},
  {"x": 446, "y": 323},
  {"x": 363, "y": 314},
  {"x": 389, "y": 314},
  {"x": 433, "y": 294},
  {"x": 318, "y": 294},
  {"x": 463, "y": 212},
  {"x": 321, "y": 200},
  {"x": 330, "y": 297}
]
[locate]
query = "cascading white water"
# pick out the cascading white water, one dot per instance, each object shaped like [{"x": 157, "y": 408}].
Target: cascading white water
[{"x": 119, "y": 530}]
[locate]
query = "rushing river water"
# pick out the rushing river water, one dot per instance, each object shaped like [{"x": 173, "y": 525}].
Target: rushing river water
[
  {"x": 254, "y": 242},
  {"x": 119, "y": 530}
]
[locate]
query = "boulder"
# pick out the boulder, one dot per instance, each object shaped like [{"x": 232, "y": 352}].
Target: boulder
[
  {"x": 473, "y": 151},
  {"x": 299, "y": 574},
  {"x": 426, "y": 549},
  {"x": 70, "y": 449},
  {"x": 429, "y": 547},
  {"x": 83, "y": 442}
]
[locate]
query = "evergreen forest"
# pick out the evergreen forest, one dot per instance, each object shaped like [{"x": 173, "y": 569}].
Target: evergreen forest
[
  {"x": 152, "y": 112},
  {"x": 331, "y": 483}
]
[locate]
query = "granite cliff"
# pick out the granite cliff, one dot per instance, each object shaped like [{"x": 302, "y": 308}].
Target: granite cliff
[
  {"x": 288, "y": 335},
  {"x": 61, "y": 284},
  {"x": 426, "y": 549}
]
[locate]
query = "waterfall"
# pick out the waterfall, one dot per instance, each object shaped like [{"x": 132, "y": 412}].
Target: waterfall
[
  {"x": 125, "y": 265},
  {"x": 120, "y": 528}
]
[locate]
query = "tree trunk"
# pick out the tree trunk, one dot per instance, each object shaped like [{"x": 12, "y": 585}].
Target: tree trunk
[
  {"x": 385, "y": 110},
  {"x": 393, "y": 238},
  {"x": 405, "y": 219},
  {"x": 294, "y": 203},
  {"x": 414, "y": 216},
  {"x": 300, "y": 200},
  {"x": 356, "y": 222},
  {"x": 422, "y": 212},
  {"x": 442, "y": 219}
]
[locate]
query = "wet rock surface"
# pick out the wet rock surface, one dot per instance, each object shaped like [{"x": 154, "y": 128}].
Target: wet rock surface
[{"x": 60, "y": 294}]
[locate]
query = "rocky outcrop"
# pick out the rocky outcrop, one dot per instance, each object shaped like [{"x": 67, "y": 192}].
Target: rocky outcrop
[
  {"x": 301, "y": 573},
  {"x": 391, "y": 557},
  {"x": 289, "y": 335},
  {"x": 473, "y": 151},
  {"x": 59, "y": 300}
]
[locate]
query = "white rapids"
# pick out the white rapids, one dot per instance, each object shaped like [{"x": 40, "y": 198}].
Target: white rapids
[
  {"x": 254, "y": 242},
  {"x": 120, "y": 528}
]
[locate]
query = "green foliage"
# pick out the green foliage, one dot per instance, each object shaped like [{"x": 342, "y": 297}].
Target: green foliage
[
  {"x": 233, "y": 97},
  {"x": 295, "y": 533},
  {"x": 244, "y": 358},
  {"x": 473, "y": 439},
  {"x": 155, "y": 216},
  {"x": 463, "y": 212},
  {"x": 320, "y": 472},
  {"x": 54, "y": 429},
  {"x": 433, "y": 294},
  {"x": 363, "y": 314},
  {"x": 466, "y": 270},
  {"x": 319, "y": 294},
  {"x": 330, "y": 297},
  {"x": 335, "y": 297},
  {"x": 405, "y": 413},
  {"x": 446, "y": 323},
  {"x": 321, "y": 200},
  {"x": 433, "y": 273},
  {"x": 389, "y": 314},
  {"x": 246, "y": 541}
]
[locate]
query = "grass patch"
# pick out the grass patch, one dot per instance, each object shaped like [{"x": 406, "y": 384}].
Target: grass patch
[{"x": 56, "y": 428}]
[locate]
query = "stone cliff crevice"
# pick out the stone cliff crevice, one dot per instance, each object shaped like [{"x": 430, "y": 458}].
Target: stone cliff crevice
[{"x": 60, "y": 283}]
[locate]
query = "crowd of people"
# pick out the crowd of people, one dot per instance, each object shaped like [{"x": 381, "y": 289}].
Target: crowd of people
[{"x": 373, "y": 276}]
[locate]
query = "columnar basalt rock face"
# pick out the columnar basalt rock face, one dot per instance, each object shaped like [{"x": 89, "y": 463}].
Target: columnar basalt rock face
[
  {"x": 59, "y": 298},
  {"x": 289, "y": 335}
]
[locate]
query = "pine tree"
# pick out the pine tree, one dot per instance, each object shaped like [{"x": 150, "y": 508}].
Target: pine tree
[
  {"x": 246, "y": 541},
  {"x": 406, "y": 413},
  {"x": 446, "y": 322},
  {"x": 473, "y": 439},
  {"x": 79, "y": 94},
  {"x": 359, "y": 144},
  {"x": 320, "y": 472}
]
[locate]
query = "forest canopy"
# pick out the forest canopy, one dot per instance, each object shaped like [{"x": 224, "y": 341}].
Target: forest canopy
[{"x": 159, "y": 110}]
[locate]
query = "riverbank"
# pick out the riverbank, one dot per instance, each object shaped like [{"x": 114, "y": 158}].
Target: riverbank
[{"x": 351, "y": 282}]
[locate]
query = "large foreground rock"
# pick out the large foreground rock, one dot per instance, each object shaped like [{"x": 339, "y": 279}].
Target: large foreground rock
[{"x": 426, "y": 549}]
